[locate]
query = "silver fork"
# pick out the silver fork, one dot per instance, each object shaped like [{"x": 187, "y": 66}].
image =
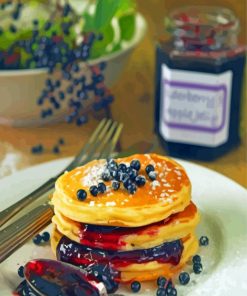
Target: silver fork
[{"x": 101, "y": 144}]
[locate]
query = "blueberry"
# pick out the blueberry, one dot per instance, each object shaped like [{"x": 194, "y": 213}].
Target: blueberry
[
  {"x": 132, "y": 174},
  {"x": 149, "y": 168},
  {"x": 106, "y": 176},
  {"x": 122, "y": 167},
  {"x": 204, "y": 241},
  {"x": 37, "y": 239},
  {"x": 61, "y": 141},
  {"x": 124, "y": 177},
  {"x": 161, "y": 292},
  {"x": 47, "y": 26},
  {"x": 135, "y": 164},
  {"x": 75, "y": 68},
  {"x": 115, "y": 185},
  {"x": 56, "y": 150},
  {"x": 161, "y": 281},
  {"x": 152, "y": 175},
  {"x": 184, "y": 278},
  {"x": 127, "y": 182},
  {"x": 135, "y": 286},
  {"x": 81, "y": 194},
  {"x": 12, "y": 28},
  {"x": 16, "y": 14},
  {"x": 58, "y": 83},
  {"x": 115, "y": 174},
  {"x": 196, "y": 259},
  {"x": 197, "y": 268},
  {"x": 169, "y": 286},
  {"x": 93, "y": 190},
  {"x": 70, "y": 89},
  {"x": 132, "y": 188},
  {"x": 82, "y": 120},
  {"x": 171, "y": 292},
  {"x": 37, "y": 149},
  {"x": 81, "y": 95},
  {"x": 35, "y": 22},
  {"x": 102, "y": 66},
  {"x": 140, "y": 181},
  {"x": 45, "y": 236},
  {"x": 101, "y": 187},
  {"x": 112, "y": 165},
  {"x": 61, "y": 95},
  {"x": 21, "y": 271}
]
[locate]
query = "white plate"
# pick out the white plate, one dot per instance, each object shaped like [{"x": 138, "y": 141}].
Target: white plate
[{"x": 223, "y": 206}]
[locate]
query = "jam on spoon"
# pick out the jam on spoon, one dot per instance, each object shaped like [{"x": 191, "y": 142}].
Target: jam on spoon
[{"x": 50, "y": 277}]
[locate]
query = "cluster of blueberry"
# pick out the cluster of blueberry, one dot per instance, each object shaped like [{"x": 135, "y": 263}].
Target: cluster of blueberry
[
  {"x": 117, "y": 173},
  {"x": 165, "y": 287},
  {"x": 197, "y": 264},
  {"x": 128, "y": 175},
  {"x": 47, "y": 48},
  {"x": 45, "y": 237},
  {"x": 38, "y": 149}
]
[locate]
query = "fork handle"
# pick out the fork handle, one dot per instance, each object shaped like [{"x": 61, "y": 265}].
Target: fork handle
[
  {"x": 8, "y": 213},
  {"x": 16, "y": 234}
]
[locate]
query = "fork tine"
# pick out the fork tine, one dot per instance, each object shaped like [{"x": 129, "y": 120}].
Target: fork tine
[
  {"x": 115, "y": 138},
  {"x": 104, "y": 122},
  {"x": 110, "y": 145},
  {"x": 98, "y": 143}
]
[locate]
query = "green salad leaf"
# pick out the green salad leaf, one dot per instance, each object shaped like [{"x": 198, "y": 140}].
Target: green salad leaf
[
  {"x": 124, "y": 13},
  {"x": 105, "y": 11},
  {"x": 127, "y": 26}
]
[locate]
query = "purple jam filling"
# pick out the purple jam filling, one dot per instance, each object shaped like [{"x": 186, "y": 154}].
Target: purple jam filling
[{"x": 78, "y": 254}]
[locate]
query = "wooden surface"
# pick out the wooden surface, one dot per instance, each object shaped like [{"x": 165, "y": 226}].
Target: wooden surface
[{"x": 133, "y": 106}]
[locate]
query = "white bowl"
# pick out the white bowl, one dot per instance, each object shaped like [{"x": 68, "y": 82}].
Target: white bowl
[{"x": 19, "y": 89}]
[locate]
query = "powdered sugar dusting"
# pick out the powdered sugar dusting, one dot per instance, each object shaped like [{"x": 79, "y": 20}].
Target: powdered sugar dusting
[
  {"x": 93, "y": 175},
  {"x": 110, "y": 203},
  {"x": 155, "y": 184}
]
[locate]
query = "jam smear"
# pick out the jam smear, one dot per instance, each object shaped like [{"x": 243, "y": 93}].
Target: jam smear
[
  {"x": 75, "y": 253},
  {"x": 112, "y": 237}
]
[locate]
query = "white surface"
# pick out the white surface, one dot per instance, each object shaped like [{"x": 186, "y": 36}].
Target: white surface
[
  {"x": 223, "y": 206},
  {"x": 22, "y": 88}
]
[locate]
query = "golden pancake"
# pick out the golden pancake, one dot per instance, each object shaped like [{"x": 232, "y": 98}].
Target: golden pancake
[
  {"x": 150, "y": 270},
  {"x": 175, "y": 227},
  {"x": 170, "y": 193}
]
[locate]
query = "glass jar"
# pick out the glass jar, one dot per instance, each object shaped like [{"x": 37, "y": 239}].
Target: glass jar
[{"x": 199, "y": 76}]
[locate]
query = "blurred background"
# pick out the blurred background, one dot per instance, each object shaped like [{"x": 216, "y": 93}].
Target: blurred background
[{"x": 134, "y": 102}]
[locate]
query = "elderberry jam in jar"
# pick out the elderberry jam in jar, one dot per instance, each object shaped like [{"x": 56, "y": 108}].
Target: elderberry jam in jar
[{"x": 199, "y": 76}]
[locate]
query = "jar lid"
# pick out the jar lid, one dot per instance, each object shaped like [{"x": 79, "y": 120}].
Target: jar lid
[{"x": 204, "y": 25}]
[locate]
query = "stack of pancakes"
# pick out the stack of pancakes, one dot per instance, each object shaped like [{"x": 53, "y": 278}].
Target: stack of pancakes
[{"x": 141, "y": 235}]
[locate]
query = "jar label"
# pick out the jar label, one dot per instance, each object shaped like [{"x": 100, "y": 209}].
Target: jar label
[{"x": 195, "y": 107}]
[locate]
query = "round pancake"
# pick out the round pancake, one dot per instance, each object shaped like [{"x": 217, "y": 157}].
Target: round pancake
[
  {"x": 150, "y": 270},
  {"x": 170, "y": 193},
  {"x": 125, "y": 239}
]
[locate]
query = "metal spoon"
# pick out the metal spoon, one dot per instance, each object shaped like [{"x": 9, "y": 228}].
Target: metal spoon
[{"x": 55, "y": 278}]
